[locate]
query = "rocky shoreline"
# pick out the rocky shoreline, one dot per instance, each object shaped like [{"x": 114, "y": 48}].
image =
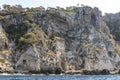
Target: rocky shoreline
[{"x": 71, "y": 72}]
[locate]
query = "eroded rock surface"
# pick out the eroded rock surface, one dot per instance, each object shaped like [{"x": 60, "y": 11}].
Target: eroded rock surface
[
  {"x": 113, "y": 22},
  {"x": 58, "y": 41}
]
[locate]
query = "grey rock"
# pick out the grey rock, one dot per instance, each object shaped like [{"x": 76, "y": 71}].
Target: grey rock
[{"x": 68, "y": 41}]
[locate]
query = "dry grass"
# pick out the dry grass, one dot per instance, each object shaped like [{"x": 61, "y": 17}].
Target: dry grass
[
  {"x": 51, "y": 53},
  {"x": 71, "y": 67}
]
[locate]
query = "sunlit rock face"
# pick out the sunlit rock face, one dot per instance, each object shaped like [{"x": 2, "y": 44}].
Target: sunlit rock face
[
  {"x": 61, "y": 40},
  {"x": 3, "y": 39},
  {"x": 5, "y": 51}
]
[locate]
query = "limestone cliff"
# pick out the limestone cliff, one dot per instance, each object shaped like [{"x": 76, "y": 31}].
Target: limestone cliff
[
  {"x": 113, "y": 22},
  {"x": 5, "y": 52},
  {"x": 54, "y": 40}
]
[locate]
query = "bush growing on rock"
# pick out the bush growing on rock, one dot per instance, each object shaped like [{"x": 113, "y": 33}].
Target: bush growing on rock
[
  {"x": 27, "y": 23},
  {"x": 29, "y": 16},
  {"x": 8, "y": 9},
  {"x": 117, "y": 50},
  {"x": 29, "y": 38},
  {"x": 2, "y": 60},
  {"x": 1, "y": 17}
]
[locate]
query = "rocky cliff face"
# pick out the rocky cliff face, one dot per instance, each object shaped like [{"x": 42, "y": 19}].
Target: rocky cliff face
[
  {"x": 55, "y": 40},
  {"x": 113, "y": 22},
  {"x": 5, "y": 52}
]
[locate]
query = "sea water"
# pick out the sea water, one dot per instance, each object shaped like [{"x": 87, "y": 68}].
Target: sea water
[{"x": 60, "y": 77}]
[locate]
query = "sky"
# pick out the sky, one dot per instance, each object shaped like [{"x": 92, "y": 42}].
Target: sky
[{"x": 106, "y": 6}]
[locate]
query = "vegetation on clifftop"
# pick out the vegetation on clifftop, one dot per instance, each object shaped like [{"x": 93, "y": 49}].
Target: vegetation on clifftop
[{"x": 18, "y": 9}]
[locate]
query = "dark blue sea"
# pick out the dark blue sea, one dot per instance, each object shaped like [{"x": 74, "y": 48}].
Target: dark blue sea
[{"x": 60, "y": 77}]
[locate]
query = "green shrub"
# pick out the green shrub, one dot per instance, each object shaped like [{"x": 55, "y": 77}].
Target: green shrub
[
  {"x": 29, "y": 16},
  {"x": 28, "y": 23},
  {"x": 2, "y": 60},
  {"x": 1, "y": 17},
  {"x": 117, "y": 50},
  {"x": 28, "y": 38}
]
